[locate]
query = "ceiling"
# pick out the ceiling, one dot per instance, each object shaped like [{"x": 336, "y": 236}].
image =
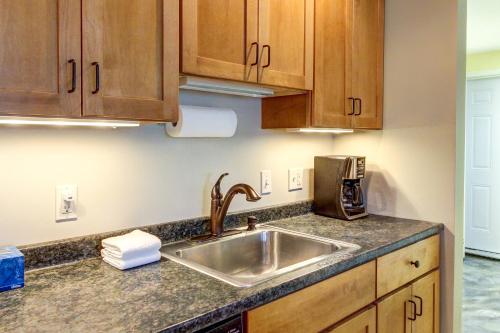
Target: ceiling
[{"x": 483, "y": 25}]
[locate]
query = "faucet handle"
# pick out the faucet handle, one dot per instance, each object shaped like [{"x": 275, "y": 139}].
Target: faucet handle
[
  {"x": 216, "y": 193},
  {"x": 252, "y": 223}
]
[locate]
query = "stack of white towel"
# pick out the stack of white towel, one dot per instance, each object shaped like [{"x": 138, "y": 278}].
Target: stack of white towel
[{"x": 134, "y": 249}]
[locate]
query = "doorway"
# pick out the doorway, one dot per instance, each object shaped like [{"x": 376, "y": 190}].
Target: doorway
[{"x": 482, "y": 181}]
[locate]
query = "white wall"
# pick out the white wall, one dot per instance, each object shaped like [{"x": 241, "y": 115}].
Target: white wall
[
  {"x": 133, "y": 177},
  {"x": 412, "y": 161}
]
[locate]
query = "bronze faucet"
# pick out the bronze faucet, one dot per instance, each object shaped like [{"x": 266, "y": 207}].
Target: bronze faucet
[{"x": 220, "y": 204}]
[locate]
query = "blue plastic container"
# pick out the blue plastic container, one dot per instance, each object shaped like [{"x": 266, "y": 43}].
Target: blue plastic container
[{"x": 11, "y": 268}]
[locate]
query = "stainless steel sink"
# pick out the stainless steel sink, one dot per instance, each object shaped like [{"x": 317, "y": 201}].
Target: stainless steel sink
[{"x": 251, "y": 257}]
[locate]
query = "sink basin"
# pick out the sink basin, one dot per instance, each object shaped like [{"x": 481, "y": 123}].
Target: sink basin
[{"x": 251, "y": 257}]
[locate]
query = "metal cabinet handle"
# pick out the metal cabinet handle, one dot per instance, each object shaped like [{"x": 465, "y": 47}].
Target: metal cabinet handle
[
  {"x": 415, "y": 263},
  {"x": 72, "y": 62},
  {"x": 268, "y": 55},
  {"x": 414, "y": 312},
  {"x": 353, "y": 106},
  {"x": 360, "y": 106},
  {"x": 97, "y": 78},
  {"x": 419, "y": 313},
  {"x": 256, "y": 53}
]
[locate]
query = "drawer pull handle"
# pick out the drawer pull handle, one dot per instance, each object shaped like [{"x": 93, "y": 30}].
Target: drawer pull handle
[
  {"x": 419, "y": 313},
  {"x": 256, "y": 53},
  {"x": 72, "y": 62},
  {"x": 97, "y": 78},
  {"x": 415, "y": 263},
  {"x": 414, "y": 311},
  {"x": 353, "y": 106},
  {"x": 268, "y": 55}
]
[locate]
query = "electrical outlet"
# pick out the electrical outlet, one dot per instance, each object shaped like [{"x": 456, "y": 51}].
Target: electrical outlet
[
  {"x": 295, "y": 179},
  {"x": 266, "y": 185},
  {"x": 66, "y": 203}
]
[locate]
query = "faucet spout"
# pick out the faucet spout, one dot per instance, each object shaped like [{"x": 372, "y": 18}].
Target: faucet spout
[{"x": 220, "y": 204}]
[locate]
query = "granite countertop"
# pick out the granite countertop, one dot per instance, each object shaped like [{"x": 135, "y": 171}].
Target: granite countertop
[{"x": 91, "y": 296}]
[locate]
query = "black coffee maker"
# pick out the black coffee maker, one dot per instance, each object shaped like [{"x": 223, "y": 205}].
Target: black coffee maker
[{"x": 337, "y": 186}]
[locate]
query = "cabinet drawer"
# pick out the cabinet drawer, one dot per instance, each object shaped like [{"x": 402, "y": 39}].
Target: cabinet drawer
[
  {"x": 317, "y": 307},
  {"x": 396, "y": 269}
]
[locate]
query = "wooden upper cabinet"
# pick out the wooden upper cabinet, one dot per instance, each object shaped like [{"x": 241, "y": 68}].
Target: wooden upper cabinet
[
  {"x": 331, "y": 108},
  {"x": 38, "y": 39},
  {"x": 365, "y": 54},
  {"x": 130, "y": 59},
  {"x": 348, "y": 67},
  {"x": 219, "y": 38},
  {"x": 286, "y": 40}
]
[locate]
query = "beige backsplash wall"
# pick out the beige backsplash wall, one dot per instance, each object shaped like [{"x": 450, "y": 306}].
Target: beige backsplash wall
[{"x": 134, "y": 177}]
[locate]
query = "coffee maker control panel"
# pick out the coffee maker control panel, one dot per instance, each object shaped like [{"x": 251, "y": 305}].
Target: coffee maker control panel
[{"x": 360, "y": 167}]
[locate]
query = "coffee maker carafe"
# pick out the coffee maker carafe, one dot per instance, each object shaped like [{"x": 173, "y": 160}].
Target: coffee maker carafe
[{"x": 337, "y": 187}]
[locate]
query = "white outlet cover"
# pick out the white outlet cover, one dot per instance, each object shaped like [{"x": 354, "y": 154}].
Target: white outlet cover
[
  {"x": 295, "y": 179},
  {"x": 266, "y": 184},
  {"x": 66, "y": 211}
]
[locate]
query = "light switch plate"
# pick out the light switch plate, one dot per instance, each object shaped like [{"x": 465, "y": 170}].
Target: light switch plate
[
  {"x": 266, "y": 185},
  {"x": 295, "y": 179},
  {"x": 66, "y": 203}
]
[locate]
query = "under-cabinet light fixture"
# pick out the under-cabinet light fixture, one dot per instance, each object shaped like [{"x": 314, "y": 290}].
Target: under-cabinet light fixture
[
  {"x": 67, "y": 122},
  {"x": 322, "y": 130}
]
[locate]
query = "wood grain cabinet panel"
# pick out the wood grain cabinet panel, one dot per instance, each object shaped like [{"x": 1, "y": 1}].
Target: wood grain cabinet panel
[
  {"x": 219, "y": 38},
  {"x": 425, "y": 292},
  {"x": 414, "y": 308},
  {"x": 365, "y": 54},
  {"x": 130, "y": 59},
  {"x": 37, "y": 41},
  {"x": 365, "y": 322},
  {"x": 286, "y": 38},
  {"x": 348, "y": 68},
  {"x": 329, "y": 66},
  {"x": 394, "y": 311},
  {"x": 402, "y": 266},
  {"x": 317, "y": 307}
]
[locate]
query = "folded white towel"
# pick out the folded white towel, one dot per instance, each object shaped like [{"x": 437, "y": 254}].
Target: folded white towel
[
  {"x": 113, "y": 255},
  {"x": 132, "y": 244},
  {"x": 132, "y": 262}
]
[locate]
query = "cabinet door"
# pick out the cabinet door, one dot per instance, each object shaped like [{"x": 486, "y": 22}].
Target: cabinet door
[
  {"x": 286, "y": 38},
  {"x": 331, "y": 109},
  {"x": 130, "y": 59},
  {"x": 364, "y": 69},
  {"x": 37, "y": 41},
  {"x": 219, "y": 38},
  {"x": 365, "y": 322},
  {"x": 426, "y": 295},
  {"x": 393, "y": 313}
]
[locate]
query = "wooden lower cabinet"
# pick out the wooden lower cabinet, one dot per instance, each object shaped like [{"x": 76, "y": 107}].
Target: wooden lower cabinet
[
  {"x": 317, "y": 307},
  {"x": 365, "y": 322},
  {"x": 347, "y": 303},
  {"x": 427, "y": 288},
  {"x": 393, "y": 312},
  {"x": 414, "y": 308}
]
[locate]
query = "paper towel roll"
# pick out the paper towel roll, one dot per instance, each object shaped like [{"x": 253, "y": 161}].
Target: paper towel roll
[{"x": 203, "y": 122}]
